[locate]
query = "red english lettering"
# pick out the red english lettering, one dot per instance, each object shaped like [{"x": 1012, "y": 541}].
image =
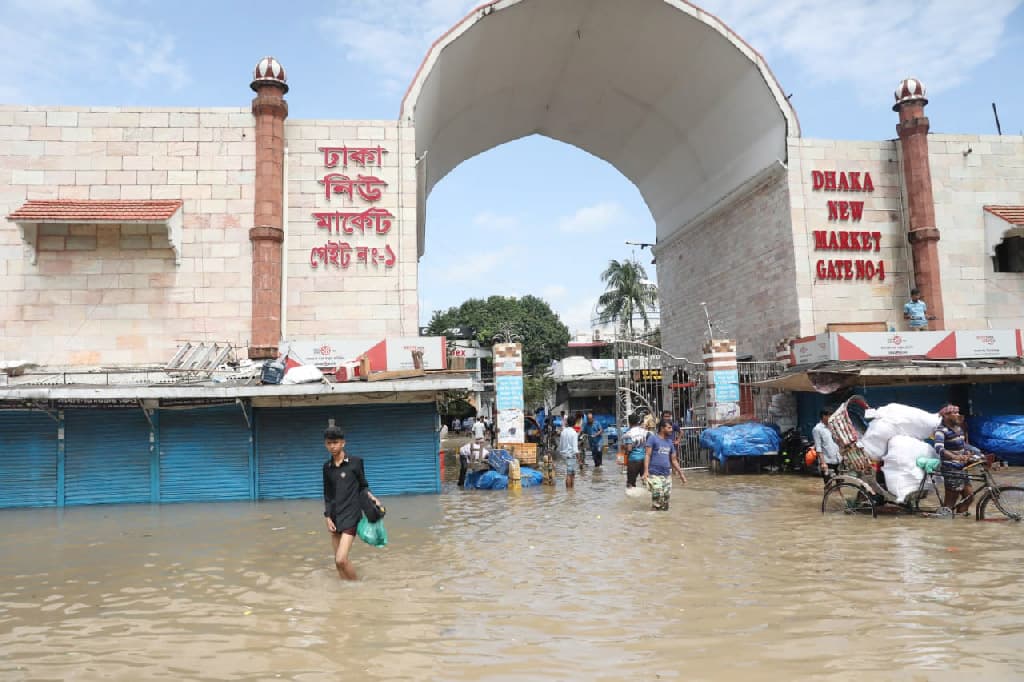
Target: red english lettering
[
  {"x": 855, "y": 181},
  {"x": 865, "y": 241},
  {"x": 819, "y": 268},
  {"x": 848, "y": 268},
  {"x": 831, "y": 270},
  {"x": 854, "y": 244},
  {"x": 869, "y": 269},
  {"x": 833, "y": 210},
  {"x": 844, "y": 186},
  {"x": 817, "y": 179},
  {"x": 877, "y": 236},
  {"x": 868, "y": 185},
  {"x": 844, "y": 210},
  {"x": 857, "y": 210},
  {"x": 820, "y": 240},
  {"x": 859, "y": 266},
  {"x": 832, "y": 244},
  {"x": 844, "y": 240},
  {"x": 881, "y": 271},
  {"x": 830, "y": 181}
]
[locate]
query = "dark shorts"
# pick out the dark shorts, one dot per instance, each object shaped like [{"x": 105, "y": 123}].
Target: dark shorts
[{"x": 346, "y": 531}]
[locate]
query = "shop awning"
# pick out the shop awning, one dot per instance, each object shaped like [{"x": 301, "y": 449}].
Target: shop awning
[
  {"x": 166, "y": 212},
  {"x": 828, "y": 377}
]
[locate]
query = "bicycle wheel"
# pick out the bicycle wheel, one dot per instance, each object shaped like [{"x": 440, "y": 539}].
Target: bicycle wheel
[
  {"x": 1008, "y": 506},
  {"x": 846, "y": 498}
]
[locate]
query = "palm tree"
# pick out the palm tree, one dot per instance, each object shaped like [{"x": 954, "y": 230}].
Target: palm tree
[{"x": 627, "y": 293}]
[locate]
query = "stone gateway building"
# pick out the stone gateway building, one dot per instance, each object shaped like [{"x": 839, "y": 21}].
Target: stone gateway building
[{"x": 137, "y": 240}]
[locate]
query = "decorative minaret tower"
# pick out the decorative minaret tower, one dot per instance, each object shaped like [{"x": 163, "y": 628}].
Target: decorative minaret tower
[
  {"x": 267, "y": 233},
  {"x": 917, "y": 177}
]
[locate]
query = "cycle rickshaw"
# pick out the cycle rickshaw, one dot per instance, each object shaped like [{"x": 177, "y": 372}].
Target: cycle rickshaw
[{"x": 856, "y": 490}]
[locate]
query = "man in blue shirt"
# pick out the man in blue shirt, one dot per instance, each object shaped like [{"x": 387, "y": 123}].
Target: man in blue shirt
[
  {"x": 594, "y": 432},
  {"x": 633, "y": 445},
  {"x": 915, "y": 312},
  {"x": 659, "y": 462}
]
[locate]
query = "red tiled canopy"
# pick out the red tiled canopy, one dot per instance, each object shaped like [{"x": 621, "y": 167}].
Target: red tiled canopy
[
  {"x": 96, "y": 211},
  {"x": 1011, "y": 214}
]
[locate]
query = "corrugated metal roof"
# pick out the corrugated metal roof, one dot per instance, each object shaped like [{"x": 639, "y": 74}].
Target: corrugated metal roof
[
  {"x": 1011, "y": 214},
  {"x": 95, "y": 211}
]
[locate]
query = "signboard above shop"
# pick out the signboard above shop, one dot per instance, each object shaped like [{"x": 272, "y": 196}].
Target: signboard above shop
[
  {"x": 389, "y": 354},
  {"x": 938, "y": 345}
]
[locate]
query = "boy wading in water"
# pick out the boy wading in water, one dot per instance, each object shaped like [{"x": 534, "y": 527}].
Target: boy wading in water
[
  {"x": 658, "y": 465},
  {"x": 344, "y": 485}
]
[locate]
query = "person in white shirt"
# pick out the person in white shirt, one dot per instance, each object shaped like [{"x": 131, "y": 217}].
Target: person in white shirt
[
  {"x": 828, "y": 451},
  {"x": 569, "y": 449},
  {"x": 479, "y": 429},
  {"x": 473, "y": 451}
]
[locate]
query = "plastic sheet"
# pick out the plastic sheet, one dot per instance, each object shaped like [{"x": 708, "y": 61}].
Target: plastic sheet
[
  {"x": 742, "y": 440},
  {"x": 902, "y": 475},
  {"x": 372, "y": 533},
  {"x": 492, "y": 480},
  {"x": 1002, "y": 435},
  {"x": 499, "y": 459}
]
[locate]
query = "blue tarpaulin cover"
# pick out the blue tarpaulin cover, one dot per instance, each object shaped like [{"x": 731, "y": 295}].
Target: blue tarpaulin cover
[
  {"x": 1002, "y": 435},
  {"x": 492, "y": 480},
  {"x": 741, "y": 440}
]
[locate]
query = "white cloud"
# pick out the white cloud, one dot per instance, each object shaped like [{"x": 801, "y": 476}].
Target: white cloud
[
  {"x": 49, "y": 40},
  {"x": 872, "y": 44},
  {"x": 593, "y": 218},
  {"x": 577, "y": 316},
  {"x": 392, "y": 37},
  {"x": 554, "y": 292}
]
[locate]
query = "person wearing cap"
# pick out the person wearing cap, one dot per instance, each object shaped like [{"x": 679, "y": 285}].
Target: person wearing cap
[
  {"x": 473, "y": 451},
  {"x": 955, "y": 453},
  {"x": 344, "y": 487}
]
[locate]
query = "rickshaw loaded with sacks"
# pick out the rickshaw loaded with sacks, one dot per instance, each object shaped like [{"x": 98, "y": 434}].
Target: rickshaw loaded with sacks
[{"x": 915, "y": 486}]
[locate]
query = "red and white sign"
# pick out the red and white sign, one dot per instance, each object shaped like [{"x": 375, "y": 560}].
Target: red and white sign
[
  {"x": 881, "y": 345},
  {"x": 1000, "y": 343},
  {"x": 811, "y": 349},
  {"x": 390, "y": 354}
]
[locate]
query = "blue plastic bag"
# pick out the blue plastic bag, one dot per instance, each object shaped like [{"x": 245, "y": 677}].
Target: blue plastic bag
[
  {"x": 499, "y": 459},
  {"x": 1002, "y": 435},
  {"x": 530, "y": 477},
  {"x": 372, "y": 533}
]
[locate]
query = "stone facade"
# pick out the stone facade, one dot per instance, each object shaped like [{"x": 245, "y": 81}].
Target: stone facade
[
  {"x": 739, "y": 259},
  {"x": 826, "y": 301},
  {"x": 968, "y": 173},
  {"x": 112, "y": 294}
]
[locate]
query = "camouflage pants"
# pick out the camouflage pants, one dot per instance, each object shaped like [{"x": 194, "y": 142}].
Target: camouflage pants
[{"x": 661, "y": 490}]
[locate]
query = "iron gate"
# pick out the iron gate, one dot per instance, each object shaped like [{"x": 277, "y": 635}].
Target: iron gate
[{"x": 649, "y": 380}]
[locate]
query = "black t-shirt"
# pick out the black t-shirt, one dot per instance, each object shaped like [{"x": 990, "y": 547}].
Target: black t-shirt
[{"x": 343, "y": 485}]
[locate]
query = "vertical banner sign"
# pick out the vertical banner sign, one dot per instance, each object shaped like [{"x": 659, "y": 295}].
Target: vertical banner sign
[{"x": 508, "y": 387}]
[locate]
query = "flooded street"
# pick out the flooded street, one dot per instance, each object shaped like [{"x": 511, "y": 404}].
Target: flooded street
[{"x": 742, "y": 578}]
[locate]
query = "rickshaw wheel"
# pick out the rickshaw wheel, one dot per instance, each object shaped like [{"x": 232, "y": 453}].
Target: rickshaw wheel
[
  {"x": 847, "y": 498},
  {"x": 1009, "y": 507}
]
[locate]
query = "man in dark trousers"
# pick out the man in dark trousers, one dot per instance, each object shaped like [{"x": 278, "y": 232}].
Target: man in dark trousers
[{"x": 344, "y": 485}]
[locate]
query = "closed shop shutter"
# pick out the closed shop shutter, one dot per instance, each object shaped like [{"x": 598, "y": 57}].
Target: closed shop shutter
[
  {"x": 399, "y": 444},
  {"x": 204, "y": 455},
  {"x": 28, "y": 459},
  {"x": 106, "y": 456}
]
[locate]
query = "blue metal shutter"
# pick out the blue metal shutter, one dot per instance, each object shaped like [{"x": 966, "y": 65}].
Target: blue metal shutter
[
  {"x": 399, "y": 444},
  {"x": 204, "y": 455},
  {"x": 290, "y": 451},
  {"x": 28, "y": 459},
  {"x": 106, "y": 456}
]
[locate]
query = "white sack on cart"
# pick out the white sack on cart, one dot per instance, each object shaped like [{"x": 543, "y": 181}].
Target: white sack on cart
[
  {"x": 876, "y": 439},
  {"x": 910, "y": 421},
  {"x": 902, "y": 475}
]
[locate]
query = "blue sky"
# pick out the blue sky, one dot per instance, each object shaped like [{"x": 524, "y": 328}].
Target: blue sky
[{"x": 353, "y": 59}]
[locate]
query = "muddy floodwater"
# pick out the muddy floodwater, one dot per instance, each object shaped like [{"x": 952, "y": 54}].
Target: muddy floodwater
[{"x": 743, "y": 579}]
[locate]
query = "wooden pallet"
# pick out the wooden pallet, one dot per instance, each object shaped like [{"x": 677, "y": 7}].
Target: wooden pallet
[{"x": 526, "y": 453}]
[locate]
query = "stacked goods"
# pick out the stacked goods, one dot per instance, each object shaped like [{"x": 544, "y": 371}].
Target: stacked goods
[
  {"x": 1003, "y": 436},
  {"x": 741, "y": 440}
]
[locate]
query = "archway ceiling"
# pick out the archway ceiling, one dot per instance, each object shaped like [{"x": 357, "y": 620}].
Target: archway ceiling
[{"x": 658, "y": 88}]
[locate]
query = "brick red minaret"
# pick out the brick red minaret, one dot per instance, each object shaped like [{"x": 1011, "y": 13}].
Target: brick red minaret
[
  {"x": 917, "y": 176},
  {"x": 267, "y": 233}
]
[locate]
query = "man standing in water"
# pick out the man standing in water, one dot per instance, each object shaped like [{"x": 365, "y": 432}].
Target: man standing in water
[
  {"x": 594, "y": 432},
  {"x": 569, "y": 448},
  {"x": 632, "y": 445},
  {"x": 344, "y": 485},
  {"x": 659, "y": 462}
]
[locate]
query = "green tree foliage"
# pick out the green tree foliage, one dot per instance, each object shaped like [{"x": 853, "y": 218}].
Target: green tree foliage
[
  {"x": 536, "y": 389},
  {"x": 544, "y": 337},
  {"x": 627, "y": 294}
]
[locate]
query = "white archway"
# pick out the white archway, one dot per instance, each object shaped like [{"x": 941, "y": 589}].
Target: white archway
[{"x": 660, "y": 89}]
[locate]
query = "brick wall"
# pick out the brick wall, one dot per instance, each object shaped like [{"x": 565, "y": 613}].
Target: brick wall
[
  {"x": 362, "y": 300},
  {"x": 975, "y": 296},
  {"x": 739, "y": 260},
  {"x": 106, "y": 294},
  {"x": 825, "y": 301}
]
